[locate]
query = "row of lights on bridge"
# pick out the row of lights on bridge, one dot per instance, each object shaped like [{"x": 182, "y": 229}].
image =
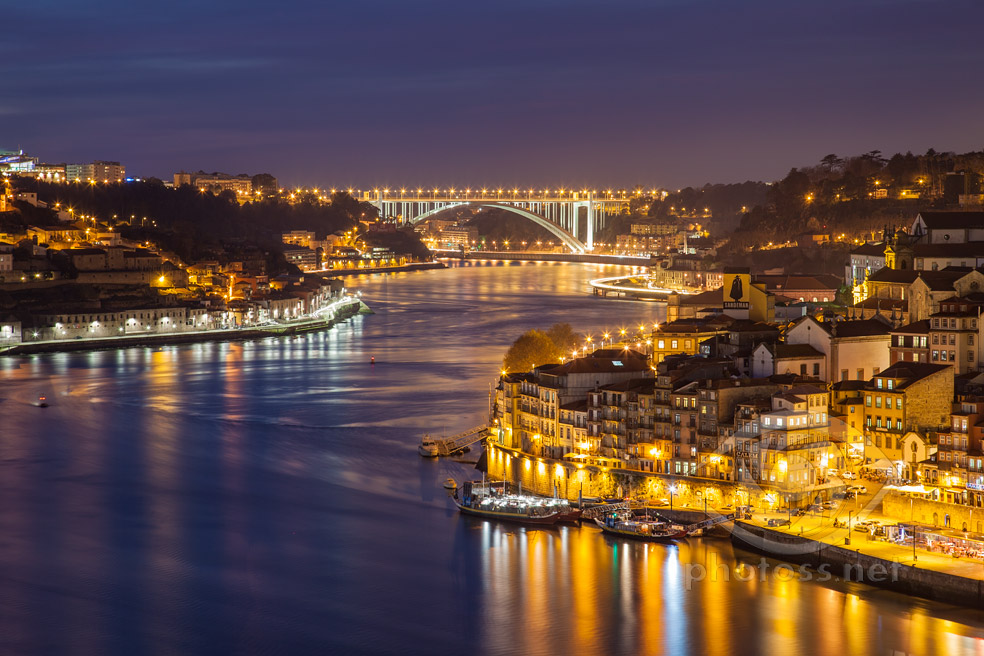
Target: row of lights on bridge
[{"x": 529, "y": 192}]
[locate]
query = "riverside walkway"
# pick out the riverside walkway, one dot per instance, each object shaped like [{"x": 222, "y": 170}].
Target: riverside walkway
[{"x": 322, "y": 318}]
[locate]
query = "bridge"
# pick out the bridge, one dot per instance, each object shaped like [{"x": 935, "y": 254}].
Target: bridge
[{"x": 561, "y": 212}]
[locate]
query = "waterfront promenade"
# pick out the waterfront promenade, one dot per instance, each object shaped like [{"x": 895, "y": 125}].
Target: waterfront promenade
[{"x": 323, "y": 318}]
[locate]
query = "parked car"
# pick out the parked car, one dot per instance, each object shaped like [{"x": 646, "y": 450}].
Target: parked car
[
  {"x": 849, "y": 476},
  {"x": 777, "y": 522},
  {"x": 858, "y": 489}
]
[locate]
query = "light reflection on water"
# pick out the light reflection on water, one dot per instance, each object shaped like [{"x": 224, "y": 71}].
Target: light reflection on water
[{"x": 266, "y": 497}]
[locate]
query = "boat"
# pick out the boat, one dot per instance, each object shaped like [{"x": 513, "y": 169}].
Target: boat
[
  {"x": 628, "y": 526},
  {"x": 451, "y": 484},
  {"x": 492, "y": 501},
  {"x": 428, "y": 447}
]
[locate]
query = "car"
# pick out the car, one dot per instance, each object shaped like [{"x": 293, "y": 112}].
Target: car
[
  {"x": 777, "y": 522},
  {"x": 831, "y": 472},
  {"x": 858, "y": 489},
  {"x": 830, "y": 505},
  {"x": 849, "y": 476}
]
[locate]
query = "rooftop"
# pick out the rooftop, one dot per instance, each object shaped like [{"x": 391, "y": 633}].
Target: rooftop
[
  {"x": 911, "y": 372},
  {"x": 952, "y": 220},
  {"x": 914, "y": 328}
]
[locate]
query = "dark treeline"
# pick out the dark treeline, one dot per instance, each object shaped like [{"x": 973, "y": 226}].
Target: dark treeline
[
  {"x": 860, "y": 193},
  {"x": 192, "y": 224}
]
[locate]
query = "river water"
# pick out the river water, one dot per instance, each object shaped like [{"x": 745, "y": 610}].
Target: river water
[{"x": 266, "y": 497}]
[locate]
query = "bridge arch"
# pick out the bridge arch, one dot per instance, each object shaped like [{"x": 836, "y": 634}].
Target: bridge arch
[{"x": 569, "y": 240}]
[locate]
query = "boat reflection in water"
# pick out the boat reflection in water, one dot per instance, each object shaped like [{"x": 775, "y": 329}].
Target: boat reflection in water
[{"x": 493, "y": 501}]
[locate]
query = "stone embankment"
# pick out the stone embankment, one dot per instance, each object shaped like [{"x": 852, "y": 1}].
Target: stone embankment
[{"x": 218, "y": 335}]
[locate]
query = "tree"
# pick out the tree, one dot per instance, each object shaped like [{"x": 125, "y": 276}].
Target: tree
[
  {"x": 564, "y": 337},
  {"x": 831, "y": 162},
  {"x": 532, "y": 348}
]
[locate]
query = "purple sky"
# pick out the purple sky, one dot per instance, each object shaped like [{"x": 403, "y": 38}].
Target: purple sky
[{"x": 539, "y": 92}]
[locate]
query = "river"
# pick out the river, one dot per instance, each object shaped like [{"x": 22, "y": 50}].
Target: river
[{"x": 266, "y": 497}]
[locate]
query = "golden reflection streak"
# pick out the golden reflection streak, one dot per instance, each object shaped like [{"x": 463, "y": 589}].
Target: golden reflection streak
[
  {"x": 585, "y": 565},
  {"x": 652, "y": 603},
  {"x": 717, "y": 618},
  {"x": 163, "y": 469}
]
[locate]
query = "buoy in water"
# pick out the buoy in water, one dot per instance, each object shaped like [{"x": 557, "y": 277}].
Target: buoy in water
[
  {"x": 450, "y": 484},
  {"x": 372, "y": 360}
]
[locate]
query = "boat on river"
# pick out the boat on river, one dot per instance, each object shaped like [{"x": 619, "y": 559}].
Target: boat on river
[
  {"x": 492, "y": 501},
  {"x": 629, "y": 526},
  {"x": 428, "y": 447}
]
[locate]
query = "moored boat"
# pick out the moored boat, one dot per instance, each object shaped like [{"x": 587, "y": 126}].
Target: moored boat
[
  {"x": 428, "y": 447},
  {"x": 640, "y": 529},
  {"x": 491, "y": 501}
]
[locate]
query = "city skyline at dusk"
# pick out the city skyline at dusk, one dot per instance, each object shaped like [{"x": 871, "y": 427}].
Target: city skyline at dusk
[{"x": 383, "y": 93}]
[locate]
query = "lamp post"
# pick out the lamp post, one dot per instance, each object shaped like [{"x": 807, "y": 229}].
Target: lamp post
[
  {"x": 672, "y": 490},
  {"x": 913, "y": 524}
]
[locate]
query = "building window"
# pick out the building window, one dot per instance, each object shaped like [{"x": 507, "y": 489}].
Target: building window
[
  {"x": 843, "y": 374},
  {"x": 860, "y": 374},
  {"x": 878, "y": 383},
  {"x": 878, "y": 401},
  {"x": 898, "y": 403},
  {"x": 936, "y": 338},
  {"x": 673, "y": 343},
  {"x": 816, "y": 368},
  {"x": 889, "y": 383},
  {"x": 898, "y": 424},
  {"x": 661, "y": 344},
  {"x": 867, "y": 400}
]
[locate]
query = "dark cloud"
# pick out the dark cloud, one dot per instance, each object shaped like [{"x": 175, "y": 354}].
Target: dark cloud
[{"x": 664, "y": 93}]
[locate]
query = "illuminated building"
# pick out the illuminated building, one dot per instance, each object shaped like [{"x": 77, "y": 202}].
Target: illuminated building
[{"x": 98, "y": 171}]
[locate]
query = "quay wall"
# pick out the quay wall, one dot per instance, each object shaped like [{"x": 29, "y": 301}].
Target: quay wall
[
  {"x": 547, "y": 476},
  {"x": 416, "y": 266},
  {"x": 850, "y": 563},
  {"x": 588, "y": 258},
  {"x": 933, "y": 513},
  {"x": 218, "y": 335}
]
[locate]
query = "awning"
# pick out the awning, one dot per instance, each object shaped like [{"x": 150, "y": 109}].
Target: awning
[{"x": 882, "y": 463}]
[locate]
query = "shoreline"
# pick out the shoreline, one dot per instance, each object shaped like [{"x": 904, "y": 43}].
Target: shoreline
[
  {"x": 910, "y": 578},
  {"x": 416, "y": 266},
  {"x": 345, "y": 312},
  {"x": 876, "y": 563}
]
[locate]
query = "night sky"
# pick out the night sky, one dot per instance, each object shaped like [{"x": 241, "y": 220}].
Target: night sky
[{"x": 538, "y": 92}]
